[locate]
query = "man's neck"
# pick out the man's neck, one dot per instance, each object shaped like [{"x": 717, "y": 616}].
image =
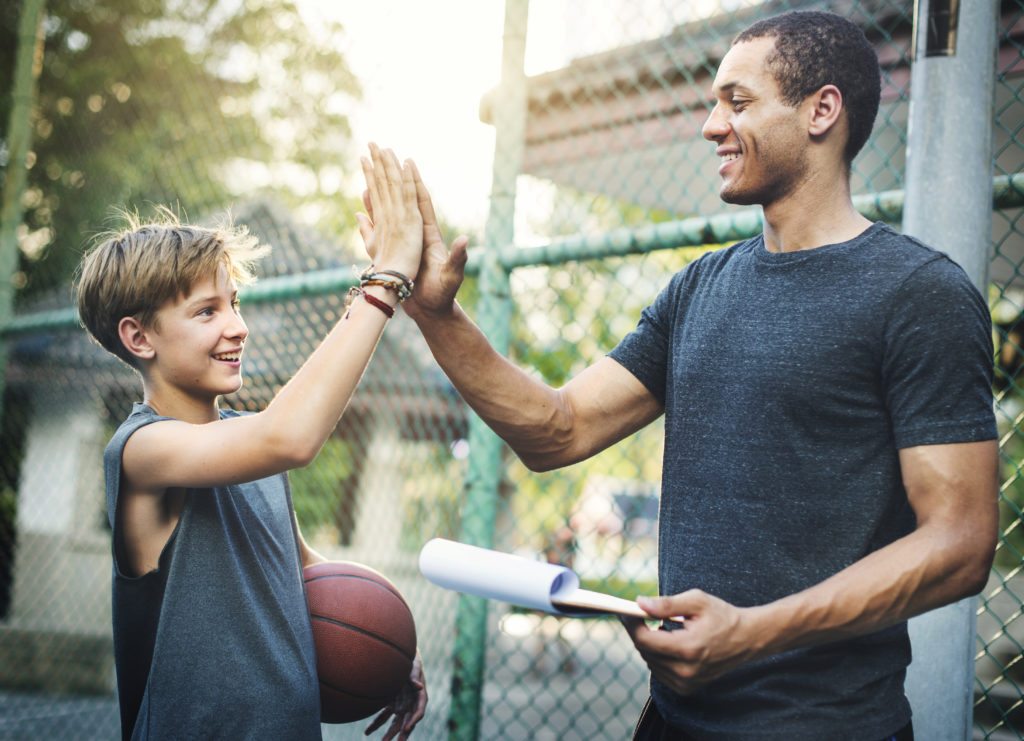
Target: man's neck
[{"x": 816, "y": 214}]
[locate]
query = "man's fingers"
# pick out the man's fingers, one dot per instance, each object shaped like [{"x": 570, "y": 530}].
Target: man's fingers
[
  {"x": 685, "y": 604},
  {"x": 423, "y": 199}
]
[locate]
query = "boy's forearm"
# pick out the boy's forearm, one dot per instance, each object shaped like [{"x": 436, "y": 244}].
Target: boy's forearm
[{"x": 305, "y": 412}]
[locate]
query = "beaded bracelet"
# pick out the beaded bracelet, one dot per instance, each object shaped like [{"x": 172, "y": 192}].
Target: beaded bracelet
[
  {"x": 390, "y": 279},
  {"x": 368, "y": 298}
]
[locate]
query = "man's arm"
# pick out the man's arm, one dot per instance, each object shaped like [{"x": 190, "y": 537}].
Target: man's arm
[
  {"x": 546, "y": 427},
  {"x": 953, "y": 492}
]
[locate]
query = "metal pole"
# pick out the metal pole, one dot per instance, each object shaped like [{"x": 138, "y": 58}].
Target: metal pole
[
  {"x": 949, "y": 206},
  {"x": 27, "y": 66},
  {"x": 495, "y": 310}
]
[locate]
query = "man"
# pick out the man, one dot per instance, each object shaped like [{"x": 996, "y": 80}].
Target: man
[{"x": 830, "y": 462}]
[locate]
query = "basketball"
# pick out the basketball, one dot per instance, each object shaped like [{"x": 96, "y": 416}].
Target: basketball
[{"x": 364, "y": 635}]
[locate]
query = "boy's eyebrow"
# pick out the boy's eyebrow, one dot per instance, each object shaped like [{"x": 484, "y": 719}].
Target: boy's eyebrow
[{"x": 208, "y": 298}]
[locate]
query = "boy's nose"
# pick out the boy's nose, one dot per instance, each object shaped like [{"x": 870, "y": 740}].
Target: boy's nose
[{"x": 238, "y": 329}]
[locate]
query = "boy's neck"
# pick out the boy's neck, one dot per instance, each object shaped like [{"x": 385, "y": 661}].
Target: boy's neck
[{"x": 177, "y": 405}]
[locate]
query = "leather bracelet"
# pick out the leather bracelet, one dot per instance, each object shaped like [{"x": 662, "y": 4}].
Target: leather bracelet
[{"x": 354, "y": 291}]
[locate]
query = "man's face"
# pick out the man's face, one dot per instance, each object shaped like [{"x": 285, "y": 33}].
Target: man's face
[{"x": 761, "y": 141}]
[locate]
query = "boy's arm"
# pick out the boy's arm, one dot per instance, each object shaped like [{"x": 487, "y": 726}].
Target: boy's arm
[
  {"x": 294, "y": 426},
  {"x": 547, "y": 428}
]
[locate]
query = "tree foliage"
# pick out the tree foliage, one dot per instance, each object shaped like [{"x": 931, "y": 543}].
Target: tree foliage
[{"x": 186, "y": 102}]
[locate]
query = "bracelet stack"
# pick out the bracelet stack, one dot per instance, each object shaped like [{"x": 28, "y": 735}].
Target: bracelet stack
[
  {"x": 389, "y": 279},
  {"x": 392, "y": 280}
]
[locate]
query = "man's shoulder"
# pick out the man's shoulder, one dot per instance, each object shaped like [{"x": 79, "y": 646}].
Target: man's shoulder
[{"x": 912, "y": 261}]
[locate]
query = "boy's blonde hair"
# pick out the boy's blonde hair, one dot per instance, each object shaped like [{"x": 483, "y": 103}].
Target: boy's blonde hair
[{"x": 135, "y": 271}]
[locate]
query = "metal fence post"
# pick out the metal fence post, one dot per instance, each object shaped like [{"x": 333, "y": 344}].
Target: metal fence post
[
  {"x": 27, "y": 66},
  {"x": 949, "y": 206},
  {"x": 495, "y": 308}
]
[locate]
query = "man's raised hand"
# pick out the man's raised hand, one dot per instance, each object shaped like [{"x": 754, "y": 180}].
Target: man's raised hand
[{"x": 441, "y": 271}]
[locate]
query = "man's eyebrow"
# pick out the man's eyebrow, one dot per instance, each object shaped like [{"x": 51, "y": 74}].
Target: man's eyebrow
[{"x": 730, "y": 87}]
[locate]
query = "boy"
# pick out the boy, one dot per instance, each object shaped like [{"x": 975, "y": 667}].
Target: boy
[{"x": 211, "y": 631}]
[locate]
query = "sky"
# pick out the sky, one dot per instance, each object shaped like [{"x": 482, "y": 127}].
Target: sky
[{"x": 424, "y": 67}]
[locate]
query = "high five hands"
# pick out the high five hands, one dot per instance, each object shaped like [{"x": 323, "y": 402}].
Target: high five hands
[
  {"x": 393, "y": 234},
  {"x": 441, "y": 270}
]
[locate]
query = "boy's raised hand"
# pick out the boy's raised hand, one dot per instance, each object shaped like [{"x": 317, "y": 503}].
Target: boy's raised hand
[{"x": 393, "y": 231}]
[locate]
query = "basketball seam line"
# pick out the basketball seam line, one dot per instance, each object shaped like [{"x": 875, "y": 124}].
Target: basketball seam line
[
  {"x": 365, "y": 632},
  {"x": 355, "y": 576},
  {"x": 350, "y": 693}
]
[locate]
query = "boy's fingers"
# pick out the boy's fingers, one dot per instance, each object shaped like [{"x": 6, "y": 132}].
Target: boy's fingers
[
  {"x": 394, "y": 177},
  {"x": 370, "y": 195},
  {"x": 368, "y": 204},
  {"x": 365, "y": 228},
  {"x": 408, "y": 186},
  {"x": 380, "y": 178}
]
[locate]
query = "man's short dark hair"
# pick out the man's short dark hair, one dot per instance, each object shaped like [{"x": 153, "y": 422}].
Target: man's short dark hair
[{"x": 812, "y": 49}]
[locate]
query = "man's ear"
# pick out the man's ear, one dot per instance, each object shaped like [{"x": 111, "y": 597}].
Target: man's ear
[
  {"x": 826, "y": 107},
  {"x": 135, "y": 338}
]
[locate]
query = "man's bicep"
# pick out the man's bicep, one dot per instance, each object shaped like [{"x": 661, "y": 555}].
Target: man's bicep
[
  {"x": 956, "y": 483},
  {"x": 609, "y": 403}
]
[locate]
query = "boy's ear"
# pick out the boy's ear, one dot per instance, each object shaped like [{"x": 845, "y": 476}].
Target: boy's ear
[
  {"x": 135, "y": 338},
  {"x": 826, "y": 108}
]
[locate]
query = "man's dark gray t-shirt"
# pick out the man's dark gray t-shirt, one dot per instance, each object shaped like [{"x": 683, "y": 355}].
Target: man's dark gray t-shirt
[
  {"x": 790, "y": 382},
  {"x": 216, "y": 642}
]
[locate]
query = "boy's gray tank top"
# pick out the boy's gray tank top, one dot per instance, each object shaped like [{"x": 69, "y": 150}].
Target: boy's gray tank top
[{"x": 216, "y": 642}]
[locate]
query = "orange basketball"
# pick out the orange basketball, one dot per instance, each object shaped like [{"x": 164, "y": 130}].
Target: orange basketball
[{"x": 365, "y": 639}]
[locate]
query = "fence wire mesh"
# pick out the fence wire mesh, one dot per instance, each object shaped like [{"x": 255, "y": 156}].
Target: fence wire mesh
[{"x": 252, "y": 105}]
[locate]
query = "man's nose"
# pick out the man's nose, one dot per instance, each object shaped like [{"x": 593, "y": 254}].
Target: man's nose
[{"x": 715, "y": 127}]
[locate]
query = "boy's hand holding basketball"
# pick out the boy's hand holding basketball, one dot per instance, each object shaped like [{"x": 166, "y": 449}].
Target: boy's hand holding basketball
[
  {"x": 408, "y": 708},
  {"x": 393, "y": 231}
]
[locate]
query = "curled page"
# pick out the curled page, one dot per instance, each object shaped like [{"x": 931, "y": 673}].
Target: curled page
[{"x": 494, "y": 575}]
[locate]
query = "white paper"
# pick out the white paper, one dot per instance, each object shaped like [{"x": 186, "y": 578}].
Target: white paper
[
  {"x": 495, "y": 575},
  {"x": 536, "y": 585}
]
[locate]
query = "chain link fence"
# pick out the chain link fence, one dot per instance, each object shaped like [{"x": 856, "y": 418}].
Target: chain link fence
[{"x": 603, "y": 190}]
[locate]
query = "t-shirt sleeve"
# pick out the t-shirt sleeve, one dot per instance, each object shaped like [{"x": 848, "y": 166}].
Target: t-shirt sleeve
[
  {"x": 644, "y": 351},
  {"x": 937, "y": 365}
]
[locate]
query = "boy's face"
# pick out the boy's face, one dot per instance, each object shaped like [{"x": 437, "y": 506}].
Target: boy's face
[
  {"x": 761, "y": 143},
  {"x": 198, "y": 340}
]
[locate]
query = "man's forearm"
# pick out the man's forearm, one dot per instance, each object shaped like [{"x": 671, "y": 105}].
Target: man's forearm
[
  {"x": 526, "y": 413},
  {"x": 929, "y": 568}
]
